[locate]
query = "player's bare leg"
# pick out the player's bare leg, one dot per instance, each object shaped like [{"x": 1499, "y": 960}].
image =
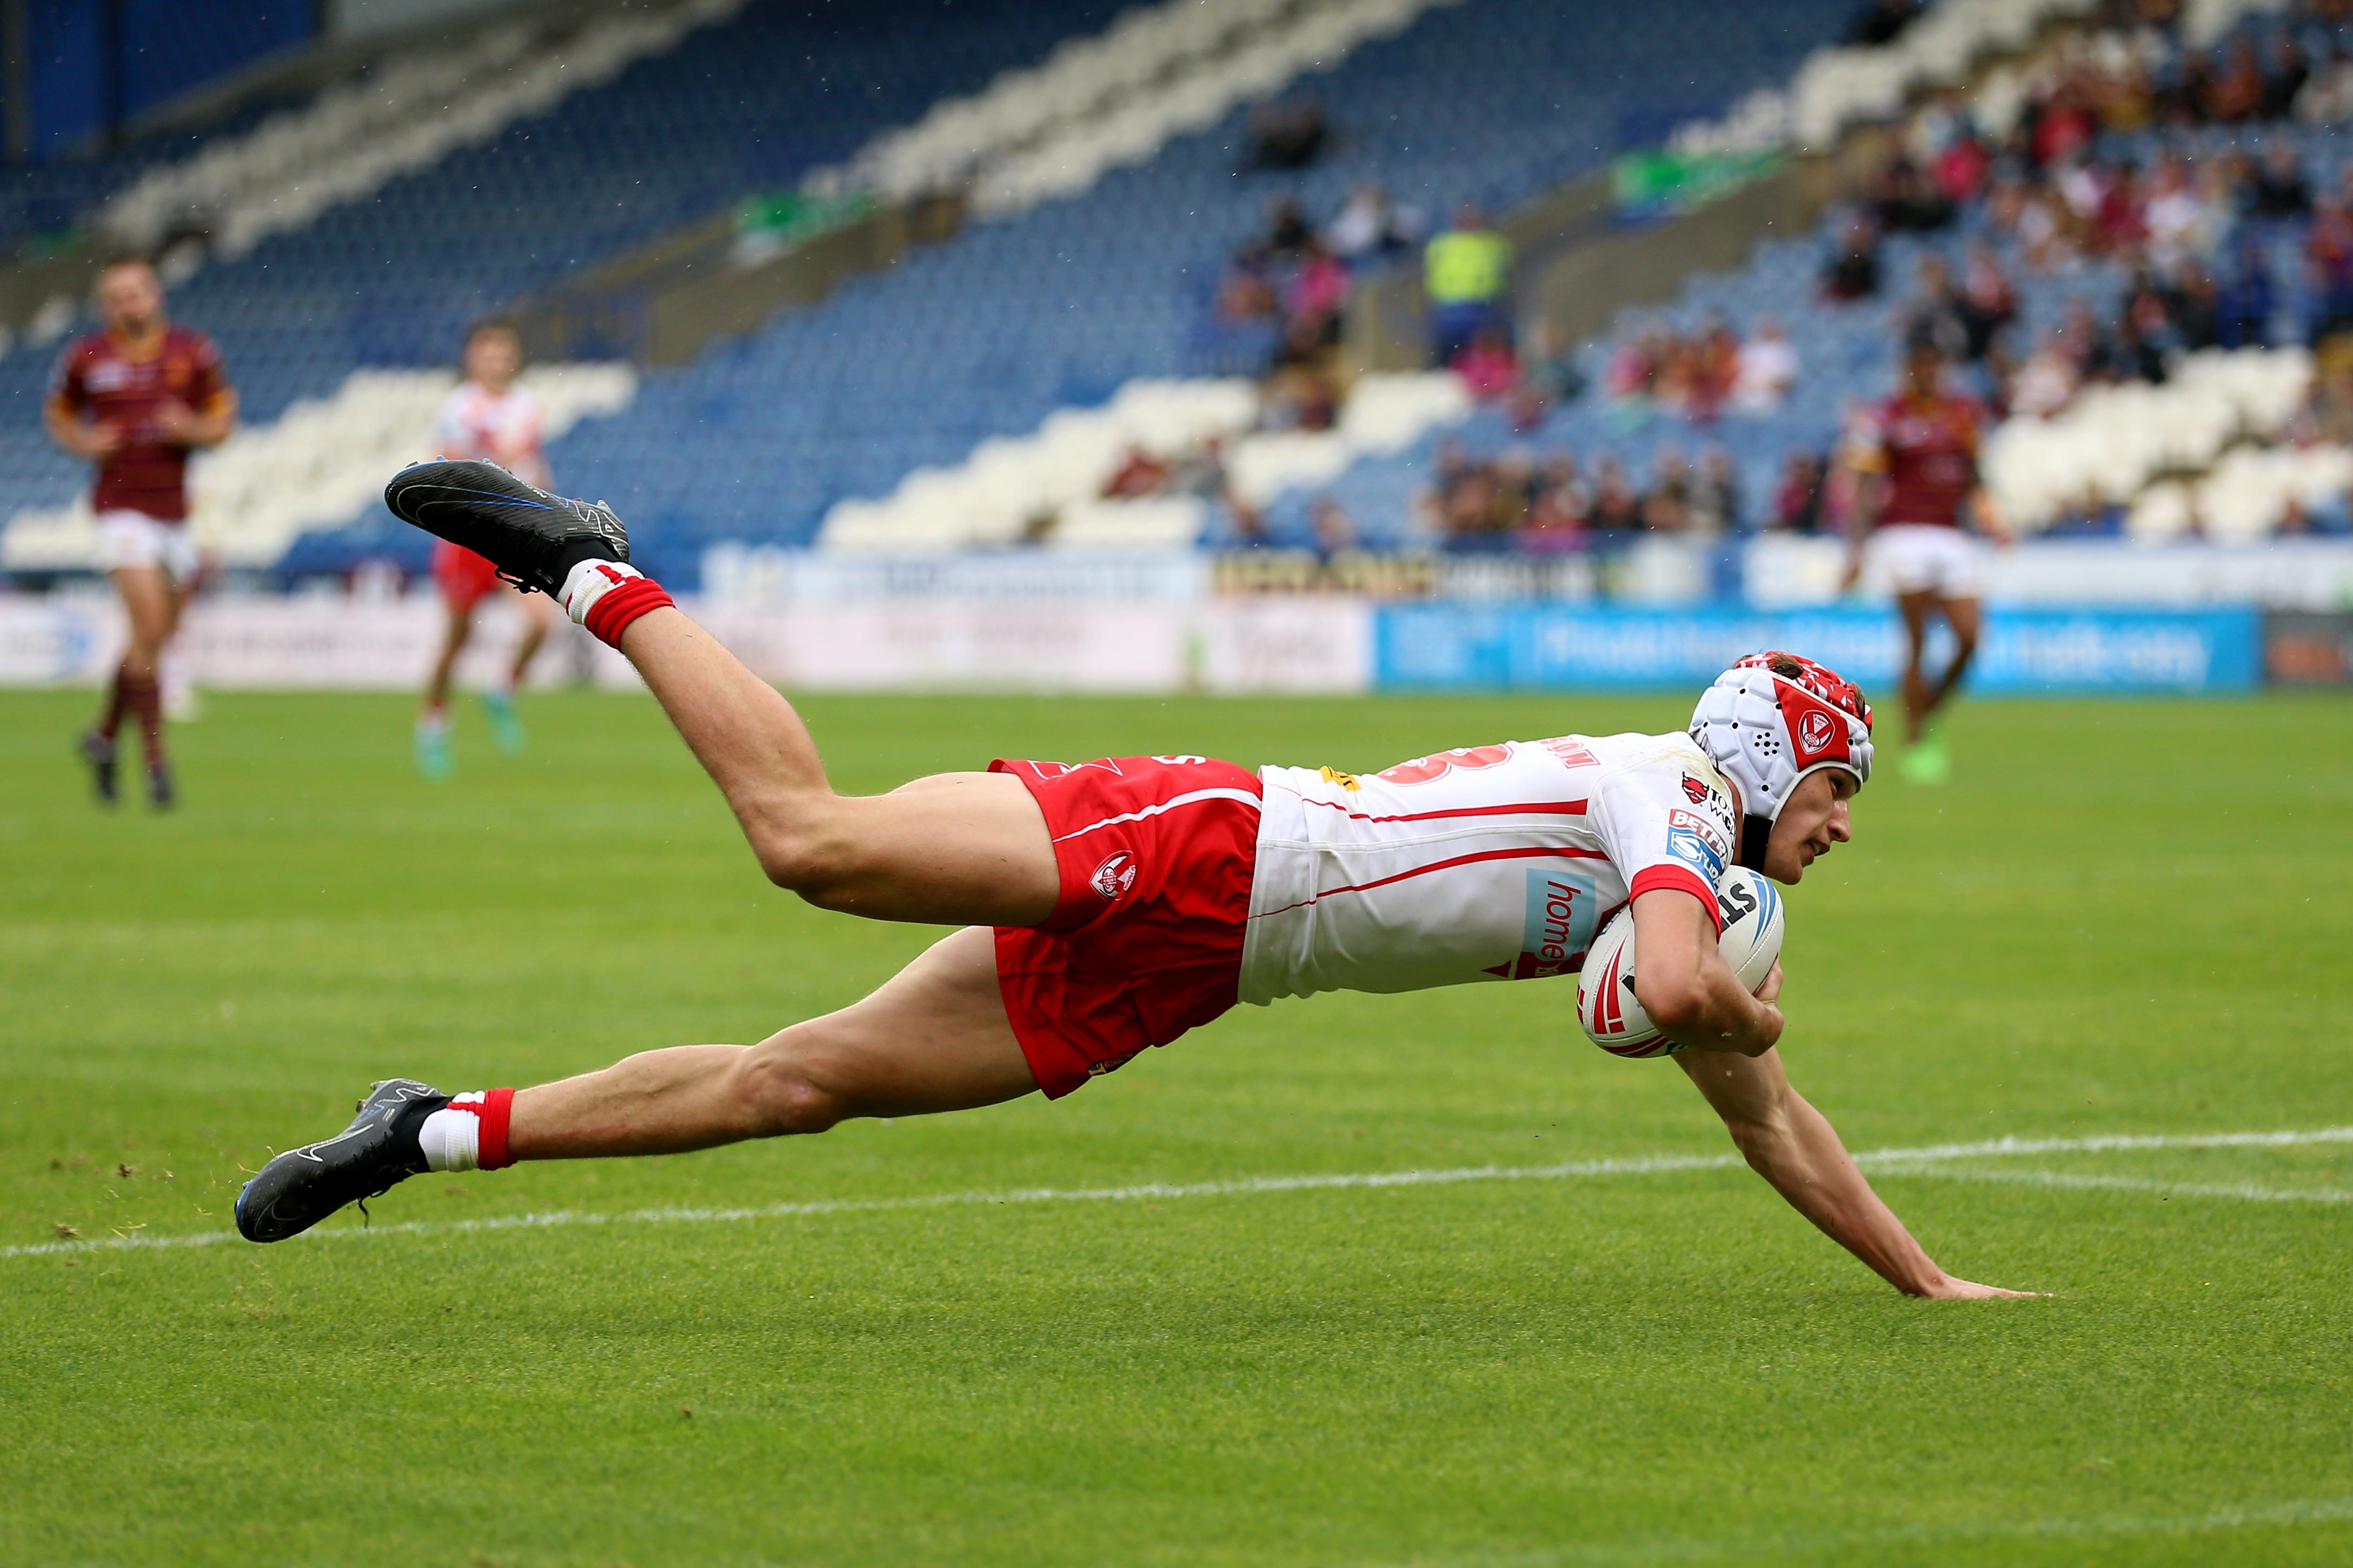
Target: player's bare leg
[
  {"x": 539, "y": 614},
  {"x": 934, "y": 1037},
  {"x": 1967, "y": 617},
  {"x": 952, "y": 849},
  {"x": 151, "y": 604},
  {"x": 433, "y": 718},
  {"x": 1916, "y": 608}
]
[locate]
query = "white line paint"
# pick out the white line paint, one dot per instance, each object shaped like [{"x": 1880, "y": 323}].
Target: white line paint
[
  {"x": 1749, "y": 1546},
  {"x": 2078, "y": 1182},
  {"x": 1920, "y": 1161}
]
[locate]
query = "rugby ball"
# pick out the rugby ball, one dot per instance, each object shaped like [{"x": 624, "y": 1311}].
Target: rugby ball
[{"x": 1606, "y": 1003}]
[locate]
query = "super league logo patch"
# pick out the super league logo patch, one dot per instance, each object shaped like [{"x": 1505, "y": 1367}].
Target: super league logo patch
[{"x": 1114, "y": 876}]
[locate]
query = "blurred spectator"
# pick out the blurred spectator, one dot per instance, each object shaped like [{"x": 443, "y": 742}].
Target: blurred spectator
[
  {"x": 2235, "y": 93},
  {"x": 1617, "y": 510},
  {"x": 1767, "y": 369},
  {"x": 1881, "y": 22},
  {"x": 2280, "y": 189},
  {"x": 2046, "y": 383},
  {"x": 1715, "y": 504},
  {"x": 1139, "y": 474},
  {"x": 2191, "y": 302},
  {"x": 1467, "y": 272},
  {"x": 1318, "y": 292},
  {"x": 1556, "y": 514},
  {"x": 2327, "y": 416},
  {"x": 2328, "y": 252},
  {"x": 1287, "y": 230},
  {"x": 1987, "y": 302},
  {"x": 1488, "y": 367},
  {"x": 1328, "y": 525},
  {"x": 1666, "y": 507},
  {"x": 1549, "y": 375},
  {"x": 1854, "y": 273},
  {"x": 2245, "y": 302},
  {"x": 1907, "y": 201},
  {"x": 1935, "y": 311},
  {"x": 2284, "y": 73},
  {"x": 1368, "y": 224},
  {"x": 1797, "y": 498},
  {"x": 2327, "y": 98},
  {"x": 1288, "y": 134}
]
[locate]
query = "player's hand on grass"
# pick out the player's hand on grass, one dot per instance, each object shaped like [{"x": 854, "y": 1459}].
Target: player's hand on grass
[{"x": 1948, "y": 1288}]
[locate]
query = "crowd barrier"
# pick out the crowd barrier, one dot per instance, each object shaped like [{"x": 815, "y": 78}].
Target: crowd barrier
[
  {"x": 1259, "y": 643},
  {"x": 1534, "y": 648}
]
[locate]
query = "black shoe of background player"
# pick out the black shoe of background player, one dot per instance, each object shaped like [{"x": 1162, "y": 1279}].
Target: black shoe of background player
[
  {"x": 162, "y": 794},
  {"x": 375, "y": 1153},
  {"x": 531, "y": 537},
  {"x": 98, "y": 750}
]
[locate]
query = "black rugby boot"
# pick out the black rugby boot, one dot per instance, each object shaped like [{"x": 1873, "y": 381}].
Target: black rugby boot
[
  {"x": 98, "y": 750},
  {"x": 531, "y": 537},
  {"x": 375, "y": 1153}
]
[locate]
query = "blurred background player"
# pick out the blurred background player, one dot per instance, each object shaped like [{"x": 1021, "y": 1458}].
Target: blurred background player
[
  {"x": 1920, "y": 487},
  {"x": 135, "y": 397},
  {"x": 492, "y": 418}
]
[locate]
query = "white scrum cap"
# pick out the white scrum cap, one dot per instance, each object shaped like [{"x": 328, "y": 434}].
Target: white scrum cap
[{"x": 1768, "y": 722}]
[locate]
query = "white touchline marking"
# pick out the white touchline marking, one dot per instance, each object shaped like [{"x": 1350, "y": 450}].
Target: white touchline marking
[
  {"x": 2084, "y": 1183},
  {"x": 1752, "y": 1543},
  {"x": 1895, "y": 1162}
]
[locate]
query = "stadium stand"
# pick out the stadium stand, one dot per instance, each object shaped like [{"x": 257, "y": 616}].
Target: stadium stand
[
  {"x": 2153, "y": 459},
  {"x": 392, "y": 279}
]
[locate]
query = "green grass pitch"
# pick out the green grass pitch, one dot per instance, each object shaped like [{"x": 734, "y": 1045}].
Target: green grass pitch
[{"x": 2122, "y": 917}]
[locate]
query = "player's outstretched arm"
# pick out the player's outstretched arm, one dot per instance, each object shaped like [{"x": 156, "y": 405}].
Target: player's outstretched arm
[{"x": 1793, "y": 1146}]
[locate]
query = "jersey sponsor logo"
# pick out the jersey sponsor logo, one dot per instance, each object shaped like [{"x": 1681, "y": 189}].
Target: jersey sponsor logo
[
  {"x": 1180, "y": 762},
  {"x": 1114, "y": 876},
  {"x": 1571, "y": 754},
  {"x": 1692, "y": 821},
  {"x": 1438, "y": 764},
  {"x": 1562, "y": 914},
  {"x": 1335, "y": 776},
  {"x": 1695, "y": 852}
]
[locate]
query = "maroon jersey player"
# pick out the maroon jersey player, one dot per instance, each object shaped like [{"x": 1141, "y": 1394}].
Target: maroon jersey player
[
  {"x": 135, "y": 398},
  {"x": 1920, "y": 470}
]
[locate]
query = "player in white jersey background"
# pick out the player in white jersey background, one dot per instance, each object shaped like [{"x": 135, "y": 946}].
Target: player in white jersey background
[
  {"x": 1108, "y": 906},
  {"x": 492, "y": 418}
]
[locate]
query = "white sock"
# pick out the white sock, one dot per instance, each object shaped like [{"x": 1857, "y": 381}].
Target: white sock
[
  {"x": 589, "y": 581},
  {"x": 451, "y": 1138}
]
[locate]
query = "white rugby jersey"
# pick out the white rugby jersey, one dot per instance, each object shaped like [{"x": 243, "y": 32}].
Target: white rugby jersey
[
  {"x": 509, "y": 428},
  {"x": 1489, "y": 863}
]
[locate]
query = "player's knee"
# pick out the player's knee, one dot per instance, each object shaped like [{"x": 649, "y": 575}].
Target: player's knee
[{"x": 778, "y": 1097}]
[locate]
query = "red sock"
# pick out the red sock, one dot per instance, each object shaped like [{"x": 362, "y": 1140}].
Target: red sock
[
  {"x": 109, "y": 718},
  {"x": 146, "y": 699},
  {"x": 469, "y": 1134}
]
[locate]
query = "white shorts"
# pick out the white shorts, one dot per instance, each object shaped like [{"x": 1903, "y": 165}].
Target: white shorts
[
  {"x": 1921, "y": 557},
  {"x": 131, "y": 538}
]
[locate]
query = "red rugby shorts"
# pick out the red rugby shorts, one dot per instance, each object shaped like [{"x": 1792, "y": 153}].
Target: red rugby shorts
[
  {"x": 464, "y": 578},
  {"x": 1155, "y": 855}
]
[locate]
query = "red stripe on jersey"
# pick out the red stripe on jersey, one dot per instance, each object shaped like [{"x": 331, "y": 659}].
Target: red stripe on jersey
[
  {"x": 1533, "y": 808},
  {"x": 1528, "y": 854},
  {"x": 1681, "y": 881}
]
